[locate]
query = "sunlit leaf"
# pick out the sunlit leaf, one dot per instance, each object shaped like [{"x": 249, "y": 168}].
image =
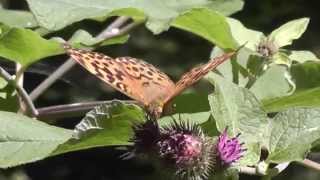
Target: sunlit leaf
[
  {"x": 105, "y": 125},
  {"x": 24, "y": 140},
  {"x": 291, "y": 134},
  {"x": 17, "y": 18},
  {"x": 239, "y": 110},
  {"x": 56, "y": 14},
  {"x": 26, "y": 47},
  {"x": 209, "y": 25},
  {"x": 285, "y": 34}
]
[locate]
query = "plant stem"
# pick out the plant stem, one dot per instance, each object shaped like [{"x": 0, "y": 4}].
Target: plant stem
[
  {"x": 75, "y": 109},
  {"x": 22, "y": 93},
  {"x": 310, "y": 164},
  {"x": 269, "y": 172},
  {"x": 19, "y": 82},
  {"x": 106, "y": 34}
]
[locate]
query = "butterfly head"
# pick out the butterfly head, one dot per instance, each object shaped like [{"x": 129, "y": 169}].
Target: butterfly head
[{"x": 155, "y": 109}]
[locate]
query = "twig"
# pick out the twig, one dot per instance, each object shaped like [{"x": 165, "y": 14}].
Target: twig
[
  {"x": 248, "y": 170},
  {"x": 106, "y": 34},
  {"x": 71, "y": 110},
  {"x": 310, "y": 164},
  {"x": 19, "y": 82},
  {"x": 57, "y": 74},
  {"x": 269, "y": 172},
  {"x": 22, "y": 93},
  {"x": 277, "y": 169}
]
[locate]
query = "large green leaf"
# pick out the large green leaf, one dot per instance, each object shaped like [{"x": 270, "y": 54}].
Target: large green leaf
[
  {"x": 244, "y": 35},
  {"x": 307, "y": 79},
  {"x": 24, "y": 140},
  {"x": 25, "y": 46},
  {"x": 306, "y": 98},
  {"x": 201, "y": 118},
  {"x": 272, "y": 84},
  {"x": 56, "y": 14},
  {"x": 209, "y": 25},
  {"x": 106, "y": 125},
  {"x": 285, "y": 34},
  {"x": 306, "y": 75},
  {"x": 191, "y": 103},
  {"x": 292, "y": 133},
  {"x": 237, "y": 108},
  {"x": 303, "y": 56},
  {"x": 16, "y": 18}
]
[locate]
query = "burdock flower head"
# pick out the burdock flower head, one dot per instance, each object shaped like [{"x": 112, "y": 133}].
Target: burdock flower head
[
  {"x": 184, "y": 146},
  {"x": 229, "y": 150},
  {"x": 146, "y": 136}
]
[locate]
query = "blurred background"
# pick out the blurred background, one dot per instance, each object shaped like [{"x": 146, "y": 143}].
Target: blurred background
[{"x": 174, "y": 52}]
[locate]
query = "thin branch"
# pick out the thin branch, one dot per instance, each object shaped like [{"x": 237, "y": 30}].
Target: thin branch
[
  {"x": 57, "y": 74},
  {"x": 22, "y": 93},
  {"x": 269, "y": 172},
  {"x": 114, "y": 25},
  {"x": 106, "y": 34},
  {"x": 71, "y": 110},
  {"x": 310, "y": 164},
  {"x": 248, "y": 170},
  {"x": 19, "y": 82},
  {"x": 277, "y": 169}
]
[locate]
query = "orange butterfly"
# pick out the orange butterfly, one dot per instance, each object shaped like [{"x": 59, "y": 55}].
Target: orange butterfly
[{"x": 140, "y": 80}]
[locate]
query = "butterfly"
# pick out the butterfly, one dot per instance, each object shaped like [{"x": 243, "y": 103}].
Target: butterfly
[{"x": 140, "y": 80}]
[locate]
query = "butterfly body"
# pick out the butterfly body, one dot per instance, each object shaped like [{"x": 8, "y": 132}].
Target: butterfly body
[{"x": 138, "y": 79}]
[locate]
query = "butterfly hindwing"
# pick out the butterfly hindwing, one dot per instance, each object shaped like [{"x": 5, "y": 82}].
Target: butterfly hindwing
[
  {"x": 140, "y": 80},
  {"x": 154, "y": 84}
]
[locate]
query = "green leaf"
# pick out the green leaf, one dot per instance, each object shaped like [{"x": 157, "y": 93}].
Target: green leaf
[
  {"x": 56, "y": 14},
  {"x": 275, "y": 77},
  {"x": 8, "y": 97},
  {"x": 238, "y": 109},
  {"x": 196, "y": 118},
  {"x": 191, "y": 103},
  {"x": 288, "y": 32},
  {"x": 306, "y": 98},
  {"x": 83, "y": 37},
  {"x": 203, "y": 119},
  {"x": 25, "y": 140},
  {"x": 209, "y": 25},
  {"x": 106, "y": 125},
  {"x": 16, "y": 18},
  {"x": 244, "y": 35},
  {"x": 281, "y": 58},
  {"x": 306, "y": 75},
  {"x": 303, "y": 56},
  {"x": 291, "y": 134},
  {"x": 26, "y": 47},
  {"x": 226, "y": 7}
]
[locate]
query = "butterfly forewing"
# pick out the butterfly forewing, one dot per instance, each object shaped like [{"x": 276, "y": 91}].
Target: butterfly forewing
[
  {"x": 140, "y": 80},
  {"x": 195, "y": 74},
  {"x": 135, "y": 78}
]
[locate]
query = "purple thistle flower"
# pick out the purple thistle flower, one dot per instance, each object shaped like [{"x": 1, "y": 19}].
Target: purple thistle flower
[
  {"x": 186, "y": 148},
  {"x": 229, "y": 150},
  {"x": 146, "y": 136}
]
